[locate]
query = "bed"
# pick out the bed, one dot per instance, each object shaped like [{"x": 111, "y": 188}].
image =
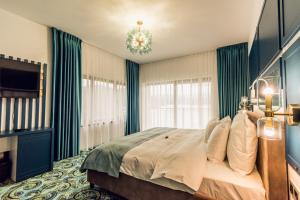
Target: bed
[{"x": 131, "y": 175}]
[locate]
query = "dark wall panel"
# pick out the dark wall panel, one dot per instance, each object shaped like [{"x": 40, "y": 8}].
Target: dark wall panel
[
  {"x": 290, "y": 19},
  {"x": 291, "y": 61},
  {"x": 269, "y": 33}
]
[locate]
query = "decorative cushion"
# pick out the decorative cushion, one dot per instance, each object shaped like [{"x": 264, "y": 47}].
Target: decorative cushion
[
  {"x": 212, "y": 124},
  {"x": 217, "y": 142},
  {"x": 242, "y": 144},
  {"x": 210, "y": 127},
  {"x": 226, "y": 119}
]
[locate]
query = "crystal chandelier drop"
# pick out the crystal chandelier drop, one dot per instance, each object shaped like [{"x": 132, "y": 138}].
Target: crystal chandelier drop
[{"x": 139, "y": 40}]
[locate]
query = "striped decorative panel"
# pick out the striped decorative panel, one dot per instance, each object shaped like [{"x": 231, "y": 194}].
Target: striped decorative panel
[{"x": 29, "y": 113}]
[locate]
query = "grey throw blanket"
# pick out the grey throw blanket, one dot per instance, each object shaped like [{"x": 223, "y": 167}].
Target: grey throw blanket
[{"x": 108, "y": 157}]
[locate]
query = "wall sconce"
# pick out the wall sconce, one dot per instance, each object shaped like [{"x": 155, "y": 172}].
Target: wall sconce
[
  {"x": 253, "y": 97},
  {"x": 269, "y": 127},
  {"x": 245, "y": 104},
  {"x": 293, "y": 114}
]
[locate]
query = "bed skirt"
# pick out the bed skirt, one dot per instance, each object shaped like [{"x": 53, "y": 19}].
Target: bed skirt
[{"x": 135, "y": 189}]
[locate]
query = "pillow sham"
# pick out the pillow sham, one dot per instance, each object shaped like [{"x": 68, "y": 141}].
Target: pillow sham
[
  {"x": 226, "y": 119},
  {"x": 212, "y": 124},
  {"x": 217, "y": 142},
  {"x": 210, "y": 127},
  {"x": 242, "y": 144}
]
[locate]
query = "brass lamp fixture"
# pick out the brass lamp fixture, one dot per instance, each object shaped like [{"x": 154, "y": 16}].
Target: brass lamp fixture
[
  {"x": 245, "y": 104},
  {"x": 293, "y": 114},
  {"x": 269, "y": 127}
]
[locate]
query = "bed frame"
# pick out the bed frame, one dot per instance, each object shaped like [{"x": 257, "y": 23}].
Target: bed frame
[{"x": 271, "y": 165}]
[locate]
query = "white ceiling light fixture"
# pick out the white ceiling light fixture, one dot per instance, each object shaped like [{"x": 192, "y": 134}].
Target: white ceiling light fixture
[{"x": 139, "y": 40}]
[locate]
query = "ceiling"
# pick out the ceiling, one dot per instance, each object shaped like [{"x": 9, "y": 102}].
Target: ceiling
[{"x": 178, "y": 27}]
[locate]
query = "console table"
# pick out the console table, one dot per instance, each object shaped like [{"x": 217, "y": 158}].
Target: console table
[{"x": 31, "y": 152}]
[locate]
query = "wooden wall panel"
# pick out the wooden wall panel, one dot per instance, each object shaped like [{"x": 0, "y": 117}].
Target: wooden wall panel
[{"x": 271, "y": 164}]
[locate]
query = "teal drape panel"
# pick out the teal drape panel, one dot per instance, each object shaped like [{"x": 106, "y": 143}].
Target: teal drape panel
[
  {"x": 233, "y": 77},
  {"x": 132, "y": 74},
  {"x": 66, "y": 94}
]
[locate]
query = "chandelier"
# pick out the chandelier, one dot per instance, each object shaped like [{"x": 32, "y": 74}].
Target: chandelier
[{"x": 139, "y": 40}]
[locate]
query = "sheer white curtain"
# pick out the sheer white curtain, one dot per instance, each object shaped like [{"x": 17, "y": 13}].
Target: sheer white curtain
[
  {"x": 103, "y": 97},
  {"x": 180, "y": 92}
]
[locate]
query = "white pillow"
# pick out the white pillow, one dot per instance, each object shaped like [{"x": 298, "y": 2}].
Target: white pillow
[
  {"x": 217, "y": 142},
  {"x": 242, "y": 144},
  {"x": 226, "y": 119},
  {"x": 210, "y": 127},
  {"x": 212, "y": 124}
]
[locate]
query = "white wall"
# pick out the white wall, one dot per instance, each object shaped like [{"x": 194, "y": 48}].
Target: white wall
[
  {"x": 25, "y": 39},
  {"x": 257, "y": 8}
]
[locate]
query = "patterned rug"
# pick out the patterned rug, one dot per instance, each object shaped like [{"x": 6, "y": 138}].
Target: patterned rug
[{"x": 63, "y": 183}]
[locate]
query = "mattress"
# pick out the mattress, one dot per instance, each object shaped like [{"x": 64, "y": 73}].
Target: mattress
[{"x": 221, "y": 182}]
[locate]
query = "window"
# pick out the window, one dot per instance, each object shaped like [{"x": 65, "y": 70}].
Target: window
[
  {"x": 103, "y": 110},
  {"x": 160, "y": 105},
  {"x": 180, "y": 104}
]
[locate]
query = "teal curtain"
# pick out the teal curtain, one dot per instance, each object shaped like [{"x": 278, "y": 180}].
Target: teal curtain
[
  {"x": 66, "y": 94},
  {"x": 233, "y": 77},
  {"x": 133, "y": 118}
]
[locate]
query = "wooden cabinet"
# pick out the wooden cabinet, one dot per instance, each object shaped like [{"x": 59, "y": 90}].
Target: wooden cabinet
[
  {"x": 254, "y": 59},
  {"x": 269, "y": 33},
  {"x": 31, "y": 153},
  {"x": 290, "y": 19},
  {"x": 34, "y": 154}
]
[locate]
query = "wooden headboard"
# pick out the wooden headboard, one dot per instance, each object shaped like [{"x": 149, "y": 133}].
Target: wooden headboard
[{"x": 271, "y": 164}]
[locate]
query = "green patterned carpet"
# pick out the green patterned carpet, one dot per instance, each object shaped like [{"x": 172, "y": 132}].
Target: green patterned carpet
[{"x": 64, "y": 182}]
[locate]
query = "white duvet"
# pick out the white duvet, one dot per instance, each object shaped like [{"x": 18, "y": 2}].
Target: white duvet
[{"x": 178, "y": 156}]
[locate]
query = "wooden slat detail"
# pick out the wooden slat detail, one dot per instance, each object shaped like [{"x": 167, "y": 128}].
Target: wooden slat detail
[
  {"x": 37, "y": 112},
  {"x": 16, "y": 112},
  {"x": 7, "y": 116},
  {"x": 44, "y": 94},
  {"x": 0, "y": 114},
  {"x": 23, "y": 113},
  {"x": 30, "y": 114}
]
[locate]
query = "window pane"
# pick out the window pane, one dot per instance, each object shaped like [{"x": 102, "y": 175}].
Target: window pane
[
  {"x": 188, "y": 105},
  {"x": 103, "y": 109},
  {"x": 160, "y": 105},
  {"x": 180, "y": 104}
]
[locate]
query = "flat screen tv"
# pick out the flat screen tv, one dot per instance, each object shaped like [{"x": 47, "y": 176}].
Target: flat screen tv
[{"x": 19, "y": 79}]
